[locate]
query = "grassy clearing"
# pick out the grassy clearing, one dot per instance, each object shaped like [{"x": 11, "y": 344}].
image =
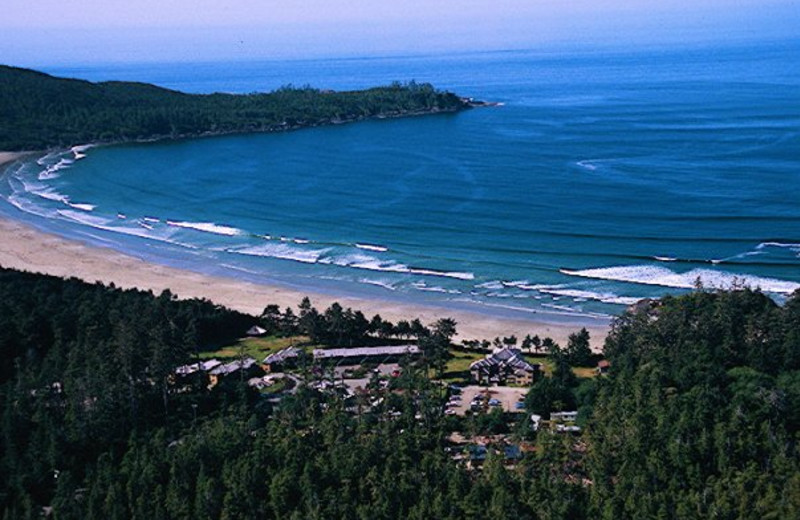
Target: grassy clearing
[
  {"x": 584, "y": 372},
  {"x": 257, "y": 348},
  {"x": 547, "y": 364},
  {"x": 457, "y": 368},
  {"x": 461, "y": 361}
]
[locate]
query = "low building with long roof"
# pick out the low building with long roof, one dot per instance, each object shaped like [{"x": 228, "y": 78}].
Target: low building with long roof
[
  {"x": 281, "y": 359},
  {"x": 353, "y": 355}
]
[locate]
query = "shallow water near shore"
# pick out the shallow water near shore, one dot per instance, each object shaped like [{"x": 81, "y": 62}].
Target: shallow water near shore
[{"x": 604, "y": 178}]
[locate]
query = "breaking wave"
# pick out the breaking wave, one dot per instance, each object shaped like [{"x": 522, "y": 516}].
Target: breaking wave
[
  {"x": 379, "y": 283},
  {"x": 795, "y": 248},
  {"x": 370, "y": 263},
  {"x": 372, "y": 247},
  {"x": 282, "y": 252},
  {"x": 422, "y": 286},
  {"x": 661, "y": 276},
  {"x": 79, "y": 205},
  {"x": 587, "y": 165},
  {"x": 207, "y": 227},
  {"x": 578, "y": 294}
]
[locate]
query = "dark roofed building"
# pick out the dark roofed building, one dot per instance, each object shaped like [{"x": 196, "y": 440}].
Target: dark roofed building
[
  {"x": 280, "y": 359},
  {"x": 246, "y": 366},
  {"x": 193, "y": 371},
  {"x": 505, "y": 365},
  {"x": 202, "y": 366}
]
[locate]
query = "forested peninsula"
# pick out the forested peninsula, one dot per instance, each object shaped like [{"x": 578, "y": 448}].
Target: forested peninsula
[
  {"x": 39, "y": 111},
  {"x": 107, "y": 411}
]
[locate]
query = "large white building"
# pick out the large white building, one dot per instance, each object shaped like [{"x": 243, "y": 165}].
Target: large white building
[{"x": 504, "y": 366}]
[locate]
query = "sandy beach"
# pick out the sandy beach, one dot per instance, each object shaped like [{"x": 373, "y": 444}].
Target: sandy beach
[
  {"x": 25, "y": 248},
  {"x": 7, "y": 157}
]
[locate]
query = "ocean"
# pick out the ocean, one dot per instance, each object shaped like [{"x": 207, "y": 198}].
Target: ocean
[{"x": 603, "y": 178}]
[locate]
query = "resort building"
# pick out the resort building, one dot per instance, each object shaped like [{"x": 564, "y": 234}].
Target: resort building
[
  {"x": 564, "y": 422},
  {"x": 504, "y": 366},
  {"x": 356, "y": 355},
  {"x": 564, "y": 416}
]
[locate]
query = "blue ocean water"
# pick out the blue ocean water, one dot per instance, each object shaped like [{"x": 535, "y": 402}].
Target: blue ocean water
[{"x": 603, "y": 178}]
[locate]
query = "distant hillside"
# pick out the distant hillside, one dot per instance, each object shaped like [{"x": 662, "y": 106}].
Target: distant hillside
[{"x": 40, "y": 111}]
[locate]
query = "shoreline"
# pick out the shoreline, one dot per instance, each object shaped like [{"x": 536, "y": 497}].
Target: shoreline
[
  {"x": 9, "y": 157},
  {"x": 25, "y": 248}
]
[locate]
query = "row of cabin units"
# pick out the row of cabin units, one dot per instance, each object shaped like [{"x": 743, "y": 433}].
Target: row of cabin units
[
  {"x": 505, "y": 366},
  {"x": 560, "y": 422},
  {"x": 475, "y": 455},
  {"x": 287, "y": 358},
  {"x": 215, "y": 370}
]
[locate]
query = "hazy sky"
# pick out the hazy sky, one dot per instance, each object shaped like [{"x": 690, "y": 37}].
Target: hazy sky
[{"x": 42, "y": 32}]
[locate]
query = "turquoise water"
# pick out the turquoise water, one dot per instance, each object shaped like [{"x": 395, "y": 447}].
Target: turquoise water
[{"x": 603, "y": 178}]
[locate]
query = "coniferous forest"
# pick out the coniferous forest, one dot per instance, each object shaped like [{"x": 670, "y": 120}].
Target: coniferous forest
[
  {"x": 40, "y": 111},
  {"x": 697, "y": 417}
]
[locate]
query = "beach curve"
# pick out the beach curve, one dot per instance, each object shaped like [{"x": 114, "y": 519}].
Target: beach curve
[{"x": 24, "y": 248}]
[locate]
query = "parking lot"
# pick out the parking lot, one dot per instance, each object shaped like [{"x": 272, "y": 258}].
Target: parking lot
[{"x": 506, "y": 398}]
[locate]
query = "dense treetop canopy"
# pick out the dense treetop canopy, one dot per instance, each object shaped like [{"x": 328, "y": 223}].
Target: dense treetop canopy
[{"x": 697, "y": 417}]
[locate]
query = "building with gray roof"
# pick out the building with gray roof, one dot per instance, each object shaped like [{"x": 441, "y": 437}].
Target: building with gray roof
[{"x": 504, "y": 366}]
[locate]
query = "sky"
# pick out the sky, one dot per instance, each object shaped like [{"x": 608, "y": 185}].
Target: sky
[{"x": 53, "y": 32}]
